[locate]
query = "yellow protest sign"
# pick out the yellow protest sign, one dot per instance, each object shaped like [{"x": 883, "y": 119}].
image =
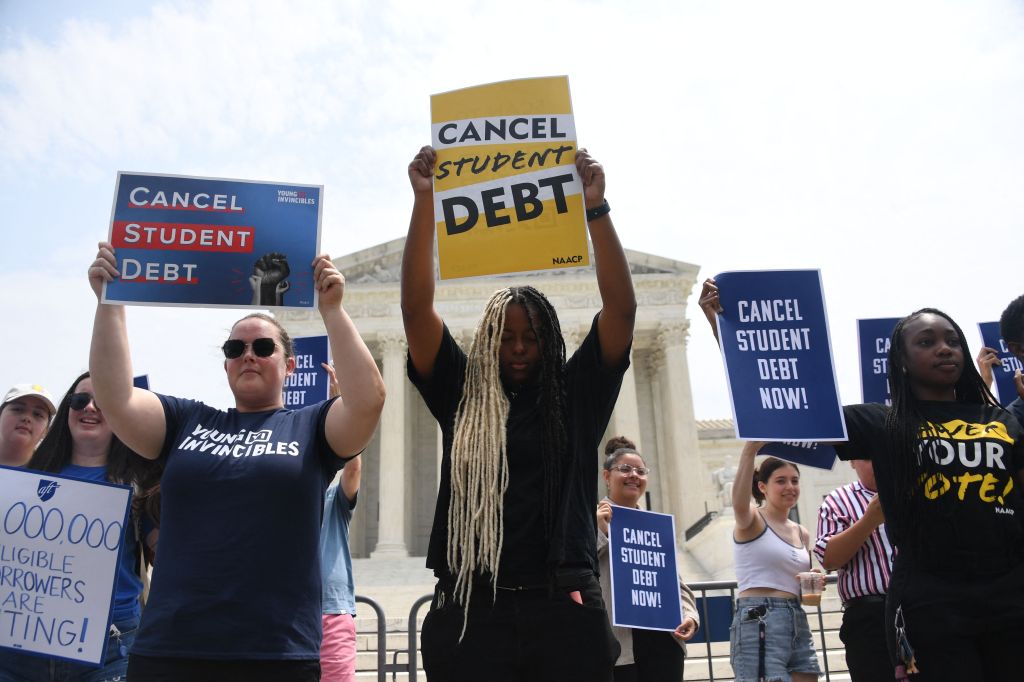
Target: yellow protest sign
[{"x": 507, "y": 197}]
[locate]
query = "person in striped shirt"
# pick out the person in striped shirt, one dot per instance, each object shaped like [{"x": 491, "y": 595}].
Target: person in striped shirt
[{"x": 852, "y": 540}]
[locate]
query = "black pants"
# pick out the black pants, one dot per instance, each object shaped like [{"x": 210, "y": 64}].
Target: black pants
[
  {"x": 158, "y": 669},
  {"x": 961, "y": 627},
  {"x": 528, "y": 636},
  {"x": 657, "y": 658},
  {"x": 863, "y": 635}
]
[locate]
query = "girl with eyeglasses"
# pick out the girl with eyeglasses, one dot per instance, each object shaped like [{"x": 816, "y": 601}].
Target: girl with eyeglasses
[
  {"x": 647, "y": 655},
  {"x": 80, "y": 444},
  {"x": 236, "y": 593}
]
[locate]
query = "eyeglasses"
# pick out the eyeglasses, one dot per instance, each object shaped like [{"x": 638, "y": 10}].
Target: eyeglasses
[
  {"x": 261, "y": 348},
  {"x": 626, "y": 469},
  {"x": 79, "y": 401}
]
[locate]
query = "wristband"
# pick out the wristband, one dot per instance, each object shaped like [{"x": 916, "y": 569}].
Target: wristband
[{"x": 598, "y": 211}]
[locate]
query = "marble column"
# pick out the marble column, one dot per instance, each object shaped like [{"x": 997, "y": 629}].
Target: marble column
[
  {"x": 681, "y": 454},
  {"x": 625, "y": 419},
  {"x": 391, "y": 519},
  {"x": 662, "y": 483}
]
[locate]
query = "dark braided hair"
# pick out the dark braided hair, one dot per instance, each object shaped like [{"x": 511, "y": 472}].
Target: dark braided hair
[
  {"x": 908, "y": 444},
  {"x": 479, "y": 459},
  {"x": 552, "y": 398}
]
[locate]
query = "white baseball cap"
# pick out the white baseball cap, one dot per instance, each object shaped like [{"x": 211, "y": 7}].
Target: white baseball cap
[{"x": 33, "y": 390}]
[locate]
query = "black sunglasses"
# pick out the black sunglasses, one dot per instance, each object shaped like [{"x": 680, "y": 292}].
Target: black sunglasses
[
  {"x": 261, "y": 348},
  {"x": 79, "y": 401}
]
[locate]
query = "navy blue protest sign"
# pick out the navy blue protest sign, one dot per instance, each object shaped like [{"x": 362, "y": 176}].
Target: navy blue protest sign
[
  {"x": 60, "y": 540},
  {"x": 874, "y": 336},
  {"x": 193, "y": 241},
  {"x": 775, "y": 343},
  {"x": 1003, "y": 374},
  {"x": 806, "y": 453},
  {"x": 715, "y": 619},
  {"x": 308, "y": 384},
  {"x": 642, "y": 563}
]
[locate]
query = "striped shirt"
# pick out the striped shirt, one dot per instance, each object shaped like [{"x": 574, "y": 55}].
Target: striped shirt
[{"x": 867, "y": 573}]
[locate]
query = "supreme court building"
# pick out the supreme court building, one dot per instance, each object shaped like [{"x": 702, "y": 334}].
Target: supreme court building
[{"x": 692, "y": 462}]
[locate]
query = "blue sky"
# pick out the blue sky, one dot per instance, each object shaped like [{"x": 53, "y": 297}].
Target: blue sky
[{"x": 880, "y": 142}]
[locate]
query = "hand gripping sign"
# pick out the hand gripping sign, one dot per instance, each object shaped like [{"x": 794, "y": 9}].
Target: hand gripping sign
[
  {"x": 191, "y": 241},
  {"x": 507, "y": 197},
  {"x": 60, "y": 539},
  {"x": 1009, "y": 363}
]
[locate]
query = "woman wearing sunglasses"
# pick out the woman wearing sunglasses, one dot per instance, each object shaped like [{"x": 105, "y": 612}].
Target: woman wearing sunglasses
[
  {"x": 236, "y": 593},
  {"x": 647, "y": 655},
  {"x": 81, "y": 445}
]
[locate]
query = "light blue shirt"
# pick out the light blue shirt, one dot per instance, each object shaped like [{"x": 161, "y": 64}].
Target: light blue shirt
[{"x": 335, "y": 556}]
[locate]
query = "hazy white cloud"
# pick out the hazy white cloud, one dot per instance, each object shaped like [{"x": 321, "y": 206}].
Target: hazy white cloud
[{"x": 878, "y": 141}]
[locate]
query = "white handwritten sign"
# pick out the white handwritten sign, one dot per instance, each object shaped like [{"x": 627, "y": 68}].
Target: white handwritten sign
[{"x": 59, "y": 544}]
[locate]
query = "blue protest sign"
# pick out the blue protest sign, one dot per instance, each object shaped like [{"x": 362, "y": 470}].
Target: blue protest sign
[
  {"x": 194, "y": 241},
  {"x": 141, "y": 381},
  {"x": 775, "y": 343},
  {"x": 873, "y": 336},
  {"x": 60, "y": 540},
  {"x": 308, "y": 384},
  {"x": 992, "y": 337},
  {"x": 642, "y": 564},
  {"x": 715, "y": 619},
  {"x": 817, "y": 455}
]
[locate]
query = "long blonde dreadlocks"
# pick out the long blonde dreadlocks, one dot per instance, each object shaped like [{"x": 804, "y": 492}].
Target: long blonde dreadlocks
[{"x": 479, "y": 459}]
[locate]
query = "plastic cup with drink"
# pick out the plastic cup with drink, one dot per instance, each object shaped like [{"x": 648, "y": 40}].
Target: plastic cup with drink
[{"x": 812, "y": 584}]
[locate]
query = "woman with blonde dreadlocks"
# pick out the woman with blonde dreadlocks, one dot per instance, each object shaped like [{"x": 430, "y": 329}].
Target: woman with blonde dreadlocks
[{"x": 513, "y": 542}]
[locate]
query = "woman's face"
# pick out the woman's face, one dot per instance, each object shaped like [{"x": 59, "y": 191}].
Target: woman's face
[
  {"x": 23, "y": 424},
  {"x": 782, "y": 489},
  {"x": 935, "y": 356},
  {"x": 520, "y": 348},
  {"x": 87, "y": 425},
  {"x": 256, "y": 380},
  {"x": 625, "y": 488}
]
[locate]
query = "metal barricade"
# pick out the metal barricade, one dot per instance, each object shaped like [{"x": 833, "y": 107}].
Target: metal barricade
[{"x": 700, "y": 589}]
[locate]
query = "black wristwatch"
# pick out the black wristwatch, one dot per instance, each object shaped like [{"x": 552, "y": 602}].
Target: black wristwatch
[{"x": 598, "y": 211}]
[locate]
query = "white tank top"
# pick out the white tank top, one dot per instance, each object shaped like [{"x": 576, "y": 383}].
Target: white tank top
[{"x": 769, "y": 561}]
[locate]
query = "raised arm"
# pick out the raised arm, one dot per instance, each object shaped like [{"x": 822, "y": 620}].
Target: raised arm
[
  {"x": 710, "y": 304},
  {"x": 350, "y": 477},
  {"x": 423, "y": 325},
  {"x": 618, "y": 302},
  {"x": 134, "y": 414},
  {"x": 353, "y": 417},
  {"x": 741, "y": 487}
]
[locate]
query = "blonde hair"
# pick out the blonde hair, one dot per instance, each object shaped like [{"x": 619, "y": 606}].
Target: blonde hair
[{"x": 479, "y": 459}]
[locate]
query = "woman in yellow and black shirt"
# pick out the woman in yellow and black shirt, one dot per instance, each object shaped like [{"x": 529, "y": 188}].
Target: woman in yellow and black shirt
[{"x": 948, "y": 463}]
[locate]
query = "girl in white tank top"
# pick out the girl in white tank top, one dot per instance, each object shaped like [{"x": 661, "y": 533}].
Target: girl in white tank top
[{"x": 769, "y": 551}]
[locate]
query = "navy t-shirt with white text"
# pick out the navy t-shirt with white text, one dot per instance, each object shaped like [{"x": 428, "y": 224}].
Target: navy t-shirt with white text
[{"x": 237, "y": 574}]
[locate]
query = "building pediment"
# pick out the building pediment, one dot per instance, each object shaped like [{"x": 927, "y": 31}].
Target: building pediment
[{"x": 382, "y": 264}]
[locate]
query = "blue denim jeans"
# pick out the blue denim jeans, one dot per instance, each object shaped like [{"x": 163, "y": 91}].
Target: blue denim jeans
[
  {"x": 788, "y": 644},
  {"x": 21, "y": 667}
]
